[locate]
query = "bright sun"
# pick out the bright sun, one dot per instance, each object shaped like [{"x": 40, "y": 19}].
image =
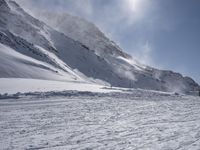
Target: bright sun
[{"x": 137, "y": 7}]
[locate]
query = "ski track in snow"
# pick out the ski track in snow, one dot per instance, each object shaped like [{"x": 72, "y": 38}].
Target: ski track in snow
[{"x": 137, "y": 121}]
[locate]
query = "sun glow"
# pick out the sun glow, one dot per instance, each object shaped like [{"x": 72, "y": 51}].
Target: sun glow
[
  {"x": 137, "y": 7},
  {"x": 134, "y": 4}
]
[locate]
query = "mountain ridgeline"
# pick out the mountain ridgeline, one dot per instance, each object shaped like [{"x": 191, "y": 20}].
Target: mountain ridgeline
[{"x": 73, "y": 49}]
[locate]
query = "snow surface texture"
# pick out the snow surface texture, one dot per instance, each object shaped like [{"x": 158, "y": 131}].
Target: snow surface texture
[
  {"x": 140, "y": 120},
  {"x": 77, "y": 51}
]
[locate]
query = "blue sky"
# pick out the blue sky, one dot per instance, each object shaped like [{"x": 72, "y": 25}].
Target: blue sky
[{"x": 161, "y": 33}]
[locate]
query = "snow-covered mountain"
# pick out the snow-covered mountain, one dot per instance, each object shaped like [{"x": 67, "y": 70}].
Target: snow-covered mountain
[{"x": 73, "y": 49}]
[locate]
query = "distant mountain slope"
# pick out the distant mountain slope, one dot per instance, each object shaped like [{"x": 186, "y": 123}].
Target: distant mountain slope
[
  {"x": 77, "y": 50},
  {"x": 83, "y": 31}
]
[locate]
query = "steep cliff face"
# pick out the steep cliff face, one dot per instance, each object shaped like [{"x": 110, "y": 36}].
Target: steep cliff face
[{"x": 70, "y": 48}]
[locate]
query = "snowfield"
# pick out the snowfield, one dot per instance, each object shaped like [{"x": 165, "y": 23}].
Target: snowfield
[
  {"x": 136, "y": 119},
  {"x": 15, "y": 85}
]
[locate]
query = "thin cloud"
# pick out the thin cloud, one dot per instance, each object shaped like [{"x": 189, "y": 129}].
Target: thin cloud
[
  {"x": 136, "y": 10},
  {"x": 144, "y": 54}
]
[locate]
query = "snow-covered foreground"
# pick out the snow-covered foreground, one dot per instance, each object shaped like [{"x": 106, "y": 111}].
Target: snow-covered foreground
[{"x": 138, "y": 120}]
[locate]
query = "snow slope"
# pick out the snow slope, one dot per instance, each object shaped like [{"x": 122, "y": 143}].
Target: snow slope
[
  {"x": 79, "y": 50},
  {"x": 16, "y": 65},
  {"x": 22, "y": 85}
]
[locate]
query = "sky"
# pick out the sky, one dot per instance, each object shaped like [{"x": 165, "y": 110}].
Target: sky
[{"x": 161, "y": 33}]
